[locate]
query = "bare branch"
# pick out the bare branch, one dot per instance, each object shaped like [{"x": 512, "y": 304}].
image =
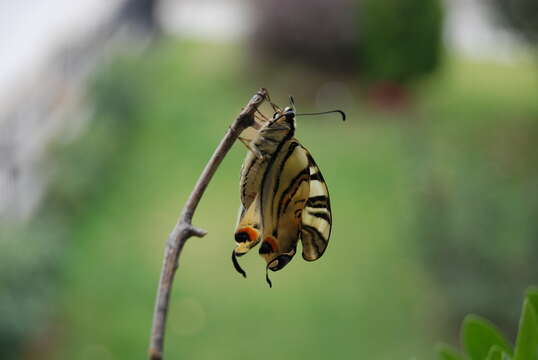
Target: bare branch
[{"x": 184, "y": 228}]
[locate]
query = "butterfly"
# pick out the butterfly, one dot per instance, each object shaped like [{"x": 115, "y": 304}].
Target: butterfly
[{"x": 284, "y": 197}]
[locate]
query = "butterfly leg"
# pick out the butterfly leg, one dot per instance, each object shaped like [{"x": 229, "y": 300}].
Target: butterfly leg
[
  {"x": 260, "y": 116},
  {"x": 259, "y": 120},
  {"x": 273, "y": 105},
  {"x": 251, "y": 147}
]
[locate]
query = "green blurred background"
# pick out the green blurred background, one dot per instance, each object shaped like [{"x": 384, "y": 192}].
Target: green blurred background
[{"x": 433, "y": 183}]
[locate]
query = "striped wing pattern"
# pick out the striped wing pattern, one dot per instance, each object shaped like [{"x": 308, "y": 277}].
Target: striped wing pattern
[
  {"x": 317, "y": 216},
  {"x": 250, "y": 181},
  {"x": 282, "y": 202},
  {"x": 284, "y": 198},
  {"x": 247, "y": 230},
  {"x": 284, "y": 192}
]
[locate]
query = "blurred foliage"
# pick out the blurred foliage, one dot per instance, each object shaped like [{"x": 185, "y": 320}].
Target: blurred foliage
[
  {"x": 521, "y": 16},
  {"x": 481, "y": 339},
  {"x": 394, "y": 41},
  {"x": 400, "y": 40},
  {"x": 388, "y": 278},
  {"x": 33, "y": 254},
  {"x": 318, "y": 310},
  {"x": 28, "y": 282},
  {"x": 84, "y": 165},
  {"x": 378, "y": 171},
  {"x": 476, "y": 227}
]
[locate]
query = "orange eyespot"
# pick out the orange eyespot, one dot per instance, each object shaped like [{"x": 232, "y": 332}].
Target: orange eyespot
[
  {"x": 245, "y": 234},
  {"x": 271, "y": 241}
]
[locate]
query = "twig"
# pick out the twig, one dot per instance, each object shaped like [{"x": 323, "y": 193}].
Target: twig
[{"x": 184, "y": 228}]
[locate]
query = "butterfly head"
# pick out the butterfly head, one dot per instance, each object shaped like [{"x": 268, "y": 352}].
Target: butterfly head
[{"x": 287, "y": 115}]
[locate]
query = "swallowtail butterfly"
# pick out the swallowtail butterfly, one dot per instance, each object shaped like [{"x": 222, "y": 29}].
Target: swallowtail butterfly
[{"x": 284, "y": 197}]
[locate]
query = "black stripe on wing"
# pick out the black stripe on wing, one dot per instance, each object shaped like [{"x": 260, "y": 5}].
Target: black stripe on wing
[
  {"x": 322, "y": 215},
  {"x": 268, "y": 170},
  {"x": 318, "y": 202},
  {"x": 314, "y": 244},
  {"x": 290, "y": 191},
  {"x": 317, "y": 217},
  {"x": 248, "y": 186}
]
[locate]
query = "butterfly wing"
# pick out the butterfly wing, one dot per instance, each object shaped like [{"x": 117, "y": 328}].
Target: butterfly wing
[
  {"x": 265, "y": 146},
  {"x": 283, "y": 194},
  {"x": 247, "y": 232},
  {"x": 316, "y": 218}
]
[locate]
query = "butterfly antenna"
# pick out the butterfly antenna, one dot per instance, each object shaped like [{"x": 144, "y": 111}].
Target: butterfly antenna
[
  {"x": 292, "y": 103},
  {"x": 326, "y": 112},
  {"x": 236, "y": 265},
  {"x": 267, "y": 276}
]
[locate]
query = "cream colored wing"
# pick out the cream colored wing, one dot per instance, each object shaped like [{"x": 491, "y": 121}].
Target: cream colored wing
[
  {"x": 264, "y": 147},
  {"x": 283, "y": 194},
  {"x": 317, "y": 216},
  {"x": 248, "y": 227}
]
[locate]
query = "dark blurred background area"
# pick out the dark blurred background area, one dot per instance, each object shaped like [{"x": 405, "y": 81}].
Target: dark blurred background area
[{"x": 109, "y": 111}]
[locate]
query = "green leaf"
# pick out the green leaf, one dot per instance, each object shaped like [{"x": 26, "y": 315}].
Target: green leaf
[
  {"x": 447, "y": 352},
  {"x": 527, "y": 337},
  {"x": 532, "y": 295},
  {"x": 496, "y": 353},
  {"x": 479, "y": 335}
]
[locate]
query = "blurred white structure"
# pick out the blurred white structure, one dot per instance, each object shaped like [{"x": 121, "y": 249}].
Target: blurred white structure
[
  {"x": 47, "y": 51},
  {"x": 471, "y": 32},
  {"x": 215, "y": 20},
  {"x": 30, "y": 31}
]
